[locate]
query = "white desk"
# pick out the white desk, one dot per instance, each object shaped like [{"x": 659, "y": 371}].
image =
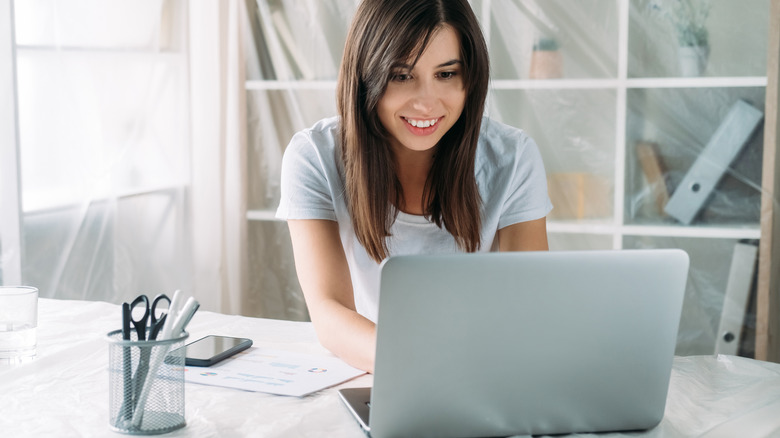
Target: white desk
[{"x": 64, "y": 392}]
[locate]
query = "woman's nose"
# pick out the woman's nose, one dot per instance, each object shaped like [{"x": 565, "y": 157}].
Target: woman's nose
[{"x": 425, "y": 96}]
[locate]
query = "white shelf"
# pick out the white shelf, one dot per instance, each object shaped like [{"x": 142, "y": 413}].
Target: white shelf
[
  {"x": 547, "y": 84},
  {"x": 290, "y": 85},
  {"x": 700, "y": 82},
  {"x": 722, "y": 232},
  {"x": 554, "y": 84},
  {"x": 262, "y": 215},
  {"x": 606, "y": 228}
]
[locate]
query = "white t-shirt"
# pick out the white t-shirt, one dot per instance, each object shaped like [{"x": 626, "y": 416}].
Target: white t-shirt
[{"x": 510, "y": 177}]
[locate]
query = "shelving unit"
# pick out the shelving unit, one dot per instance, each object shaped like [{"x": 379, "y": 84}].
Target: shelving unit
[{"x": 587, "y": 122}]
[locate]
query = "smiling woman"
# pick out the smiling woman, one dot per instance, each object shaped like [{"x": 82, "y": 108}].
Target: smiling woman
[
  {"x": 421, "y": 104},
  {"x": 423, "y": 101},
  {"x": 410, "y": 166}
]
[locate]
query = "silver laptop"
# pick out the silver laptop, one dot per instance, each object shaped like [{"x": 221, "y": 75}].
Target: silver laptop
[{"x": 498, "y": 344}]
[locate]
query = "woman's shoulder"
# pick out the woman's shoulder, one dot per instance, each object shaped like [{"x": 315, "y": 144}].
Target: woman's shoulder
[
  {"x": 500, "y": 143},
  {"x": 315, "y": 148},
  {"x": 498, "y": 135},
  {"x": 322, "y": 135}
]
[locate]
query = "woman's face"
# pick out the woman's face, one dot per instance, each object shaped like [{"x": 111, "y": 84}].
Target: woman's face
[{"x": 422, "y": 103}]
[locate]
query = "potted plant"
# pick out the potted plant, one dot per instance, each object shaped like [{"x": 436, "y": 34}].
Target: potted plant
[
  {"x": 546, "y": 60},
  {"x": 688, "y": 20}
]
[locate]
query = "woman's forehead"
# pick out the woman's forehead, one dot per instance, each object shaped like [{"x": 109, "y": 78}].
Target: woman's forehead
[{"x": 436, "y": 38}]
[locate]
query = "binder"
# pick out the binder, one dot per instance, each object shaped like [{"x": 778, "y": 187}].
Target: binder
[
  {"x": 735, "y": 300},
  {"x": 281, "y": 66},
  {"x": 724, "y": 145}
]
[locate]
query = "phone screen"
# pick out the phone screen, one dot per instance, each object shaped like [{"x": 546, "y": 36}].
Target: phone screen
[
  {"x": 212, "y": 349},
  {"x": 211, "y": 346}
]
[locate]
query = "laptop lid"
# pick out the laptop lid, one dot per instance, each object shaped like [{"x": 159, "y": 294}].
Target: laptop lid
[{"x": 496, "y": 344}]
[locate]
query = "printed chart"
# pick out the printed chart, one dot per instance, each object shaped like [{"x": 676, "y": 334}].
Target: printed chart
[{"x": 275, "y": 372}]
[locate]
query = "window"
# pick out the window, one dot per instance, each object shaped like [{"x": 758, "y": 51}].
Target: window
[{"x": 102, "y": 111}]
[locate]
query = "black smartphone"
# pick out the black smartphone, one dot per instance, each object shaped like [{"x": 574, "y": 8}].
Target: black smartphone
[{"x": 211, "y": 349}]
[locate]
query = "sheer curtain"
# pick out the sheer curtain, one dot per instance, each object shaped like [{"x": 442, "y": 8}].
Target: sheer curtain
[
  {"x": 132, "y": 150},
  {"x": 103, "y": 140},
  {"x": 10, "y": 202}
]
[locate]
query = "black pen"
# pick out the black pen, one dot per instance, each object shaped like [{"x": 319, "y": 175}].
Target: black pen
[{"x": 125, "y": 412}]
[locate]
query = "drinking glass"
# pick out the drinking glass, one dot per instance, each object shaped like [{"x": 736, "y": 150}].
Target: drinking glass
[{"x": 18, "y": 324}]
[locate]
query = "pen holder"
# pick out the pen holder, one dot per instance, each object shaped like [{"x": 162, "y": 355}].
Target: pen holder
[{"x": 145, "y": 384}]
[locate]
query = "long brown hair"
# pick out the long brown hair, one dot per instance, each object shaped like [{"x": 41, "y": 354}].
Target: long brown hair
[{"x": 384, "y": 32}]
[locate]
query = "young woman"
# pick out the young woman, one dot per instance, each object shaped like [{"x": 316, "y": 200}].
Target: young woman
[{"x": 409, "y": 166}]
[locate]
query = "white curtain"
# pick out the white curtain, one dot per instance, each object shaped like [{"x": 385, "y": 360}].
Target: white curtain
[
  {"x": 219, "y": 236},
  {"x": 132, "y": 149},
  {"x": 104, "y": 147},
  {"x": 10, "y": 238}
]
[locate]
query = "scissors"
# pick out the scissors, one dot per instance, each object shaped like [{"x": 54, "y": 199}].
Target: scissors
[
  {"x": 149, "y": 316},
  {"x": 157, "y": 320}
]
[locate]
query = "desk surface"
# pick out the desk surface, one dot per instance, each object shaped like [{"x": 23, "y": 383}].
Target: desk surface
[{"x": 64, "y": 392}]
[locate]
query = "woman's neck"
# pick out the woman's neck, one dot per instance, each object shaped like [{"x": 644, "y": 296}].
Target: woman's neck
[{"x": 412, "y": 168}]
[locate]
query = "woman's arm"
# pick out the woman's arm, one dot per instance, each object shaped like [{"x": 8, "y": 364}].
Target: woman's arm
[
  {"x": 327, "y": 287},
  {"x": 524, "y": 236}
]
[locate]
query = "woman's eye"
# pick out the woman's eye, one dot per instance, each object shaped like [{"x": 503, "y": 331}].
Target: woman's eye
[
  {"x": 447, "y": 74},
  {"x": 401, "y": 77}
]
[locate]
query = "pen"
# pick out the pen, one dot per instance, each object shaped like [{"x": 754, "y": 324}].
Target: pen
[
  {"x": 125, "y": 411},
  {"x": 182, "y": 319},
  {"x": 190, "y": 315},
  {"x": 173, "y": 314}
]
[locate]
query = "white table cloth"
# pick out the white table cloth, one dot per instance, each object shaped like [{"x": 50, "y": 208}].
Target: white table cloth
[{"x": 64, "y": 392}]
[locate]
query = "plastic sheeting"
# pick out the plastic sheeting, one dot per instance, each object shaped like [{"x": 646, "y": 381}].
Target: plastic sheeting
[
  {"x": 597, "y": 84},
  {"x": 283, "y": 42},
  {"x": 64, "y": 392},
  {"x": 103, "y": 127}
]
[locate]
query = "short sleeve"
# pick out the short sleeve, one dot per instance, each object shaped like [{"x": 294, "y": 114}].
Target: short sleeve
[
  {"x": 306, "y": 184},
  {"x": 526, "y": 196}
]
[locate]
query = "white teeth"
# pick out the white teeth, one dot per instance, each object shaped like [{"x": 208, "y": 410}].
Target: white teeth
[{"x": 421, "y": 123}]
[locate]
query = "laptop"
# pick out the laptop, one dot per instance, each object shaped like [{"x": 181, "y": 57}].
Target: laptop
[{"x": 536, "y": 343}]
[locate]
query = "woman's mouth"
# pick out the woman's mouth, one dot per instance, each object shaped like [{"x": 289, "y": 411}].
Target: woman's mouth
[{"x": 421, "y": 126}]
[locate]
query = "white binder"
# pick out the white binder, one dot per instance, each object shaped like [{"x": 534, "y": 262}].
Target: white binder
[
  {"x": 735, "y": 300},
  {"x": 714, "y": 160}
]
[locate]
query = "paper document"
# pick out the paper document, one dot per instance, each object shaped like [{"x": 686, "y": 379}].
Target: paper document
[{"x": 274, "y": 371}]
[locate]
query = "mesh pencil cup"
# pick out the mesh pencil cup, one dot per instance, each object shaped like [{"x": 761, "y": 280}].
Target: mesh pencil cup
[{"x": 145, "y": 384}]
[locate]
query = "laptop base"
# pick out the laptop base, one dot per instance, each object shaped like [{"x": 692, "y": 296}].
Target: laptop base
[{"x": 358, "y": 400}]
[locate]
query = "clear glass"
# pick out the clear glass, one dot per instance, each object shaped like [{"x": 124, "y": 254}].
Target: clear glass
[
  {"x": 705, "y": 292},
  {"x": 553, "y": 39},
  {"x": 735, "y": 43},
  {"x": 18, "y": 324},
  {"x": 574, "y": 130},
  {"x": 679, "y": 123}
]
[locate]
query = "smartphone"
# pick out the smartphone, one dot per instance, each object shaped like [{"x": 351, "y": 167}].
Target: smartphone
[{"x": 212, "y": 349}]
